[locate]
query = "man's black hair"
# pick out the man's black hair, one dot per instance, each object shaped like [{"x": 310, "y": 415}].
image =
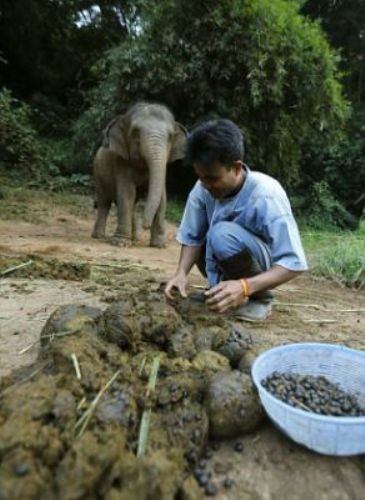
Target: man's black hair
[{"x": 215, "y": 140}]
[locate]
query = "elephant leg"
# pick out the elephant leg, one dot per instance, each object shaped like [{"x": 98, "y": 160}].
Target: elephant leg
[
  {"x": 158, "y": 228},
  {"x": 126, "y": 197},
  {"x": 137, "y": 221},
  {"x": 101, "y": 217}
]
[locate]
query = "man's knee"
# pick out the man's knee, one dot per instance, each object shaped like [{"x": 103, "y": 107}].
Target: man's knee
[{"x": 223, "y": 240}]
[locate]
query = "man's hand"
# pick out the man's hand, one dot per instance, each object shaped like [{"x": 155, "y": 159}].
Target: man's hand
[
  {"x": 178, "y": 282},
  {"x": 189, "y": 255},
  {"x": 225, "y": 296}
]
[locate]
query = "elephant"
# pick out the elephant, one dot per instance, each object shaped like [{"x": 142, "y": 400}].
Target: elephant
[{"x": 131, "y": 163}]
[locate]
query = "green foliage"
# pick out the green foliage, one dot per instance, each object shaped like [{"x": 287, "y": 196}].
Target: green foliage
[
  {"x": 341, "y": 166},
  {"x": 322, "y": 210},
  {"x": 20, "y": 147},
  {"x": 51, "y": 44},
  {"x": 175, "y": 210},
  {"x": 87, "y": 132},
  {"x": 55, "y": 182},
  {"x": 257, "y": 62},
  {"x": 50, "y": 118},
  {"x": 344, "y": 21},
  {"x": 75, "y": 183},
  {"x": 344, "y": 167},
  {"x": 28, "y": 159}
]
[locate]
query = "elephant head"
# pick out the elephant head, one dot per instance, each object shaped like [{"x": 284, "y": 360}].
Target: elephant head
[{"x": 150, "y": 133}]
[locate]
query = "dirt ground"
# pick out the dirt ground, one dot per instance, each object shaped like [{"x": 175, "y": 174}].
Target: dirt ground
[{"x": 308, "y": 309}]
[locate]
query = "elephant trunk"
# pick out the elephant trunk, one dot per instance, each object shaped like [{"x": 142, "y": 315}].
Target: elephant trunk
[{"x": 157, "y": 160}]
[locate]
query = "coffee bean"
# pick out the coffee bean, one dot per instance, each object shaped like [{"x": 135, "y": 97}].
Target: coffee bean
[
  {"x": 202, "y": 463},
  {"x": 211, "y": 490},
  {"x": 21, "y": 470},
  {"x": 238, "y": 446},
  {"x": 195, "y": 436},
  {"x": 191, "y": 456},
  {"x": 208, "y": 453},
  {"x": 202, "y": 479},
  {"x": 228, "y": 483},
  {"x": 315, "y": 394}
]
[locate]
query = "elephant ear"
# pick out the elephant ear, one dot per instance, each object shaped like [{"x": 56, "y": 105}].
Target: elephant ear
[
  {"x": 179, "y": 143},
  {"x": 115, "y": 137}
]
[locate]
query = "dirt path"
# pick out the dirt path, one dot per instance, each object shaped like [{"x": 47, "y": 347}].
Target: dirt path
[{"x": 308, "y": 309}]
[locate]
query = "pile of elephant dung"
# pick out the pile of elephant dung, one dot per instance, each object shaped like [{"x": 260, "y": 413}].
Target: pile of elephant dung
[
  {"x": 73, "y": 433},
  {"x": 32, "y": 266},
  {"x": 39, "y": 267}
]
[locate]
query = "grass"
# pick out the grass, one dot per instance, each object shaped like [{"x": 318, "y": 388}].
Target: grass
[
  {"x": 35, "y": 205},
  {"x": 175, "y": 210},
  {"x": 336, "y": 254}
]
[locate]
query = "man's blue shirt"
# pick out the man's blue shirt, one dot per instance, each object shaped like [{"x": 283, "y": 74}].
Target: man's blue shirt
[{"x": 261, "y": 206}]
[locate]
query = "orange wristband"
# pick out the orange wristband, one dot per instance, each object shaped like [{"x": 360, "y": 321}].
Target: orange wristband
[{"x": 244, "y": 285}]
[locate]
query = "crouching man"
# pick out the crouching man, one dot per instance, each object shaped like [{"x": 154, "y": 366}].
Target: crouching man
[{"x": 237, "y": 227}]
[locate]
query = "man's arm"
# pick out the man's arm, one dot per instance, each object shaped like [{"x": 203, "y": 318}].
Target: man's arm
[
  {"x": 191, "y": 234},
  {"x": 272, "y": 278},
  {"x": 229, "y": 294},
  {"x": 189, "y": 255}
]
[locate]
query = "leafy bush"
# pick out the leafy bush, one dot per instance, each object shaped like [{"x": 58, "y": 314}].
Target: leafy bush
[
  {"x": 257, "y": 62},
  {"x": 75, "y": 183},
  {"x": 55, "y": 178},
  {"x": 19, "y": 143},
  {"x": 50, "y": 118},
  {"x": 342, "y": 166},
  {"x": 322, "y": 210},
  {"x": 24, "y": 157},
  {"x": 87, "y": 132}
]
